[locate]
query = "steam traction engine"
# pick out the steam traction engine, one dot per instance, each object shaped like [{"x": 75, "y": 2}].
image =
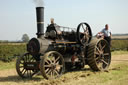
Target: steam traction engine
[{"x": 52, "y": 53}]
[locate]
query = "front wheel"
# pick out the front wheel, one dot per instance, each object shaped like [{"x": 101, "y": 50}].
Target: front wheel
[
  {"x": 27, "y": 66},
  {"x": 52, "y": 65}
]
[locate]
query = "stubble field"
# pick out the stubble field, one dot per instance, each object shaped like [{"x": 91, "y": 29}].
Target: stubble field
[{"x": 117, "y": 75}]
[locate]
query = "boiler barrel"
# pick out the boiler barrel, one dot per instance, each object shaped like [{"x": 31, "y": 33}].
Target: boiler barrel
[{"x": 39, "y": 45}]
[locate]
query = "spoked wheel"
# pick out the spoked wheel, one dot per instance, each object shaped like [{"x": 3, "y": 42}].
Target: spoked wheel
[
  {"x": 26, "y": 66},
  {"x": 99, "y": 55},
  {"x": 84, "y": 33},
  {"x": 52, "y": 65}
]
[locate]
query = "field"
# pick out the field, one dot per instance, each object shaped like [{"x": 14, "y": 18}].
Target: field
[
  {"x": 117, "y": 74},
  {"x": 120, "y": 37}
]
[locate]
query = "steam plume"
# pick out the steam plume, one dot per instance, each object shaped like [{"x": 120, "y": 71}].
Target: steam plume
[{"x": 39, "y": 3}]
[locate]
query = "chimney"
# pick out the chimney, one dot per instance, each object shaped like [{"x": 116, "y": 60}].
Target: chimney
[{"x": 40, "y": 21}]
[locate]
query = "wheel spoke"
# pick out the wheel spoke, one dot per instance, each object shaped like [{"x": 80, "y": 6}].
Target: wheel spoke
[
  {"x": 47, "y": 70},
  {"x": 33, "y": 73},
  {"x": 105, "y": 54},
  {"x": 104, "y": 62},
  {"x": 97, "y": 58},
  {"x": 83, "y": 27},
  {"x": 57, "y": 73},
  {"x": 30, "y": 73},
  {"x": 103, "y": 47},
  {"x": 98, "y": 49},
  {"x": 21, "y": 63},
  {"x": 57, "y": 59},
  {"x": 53, "y": 60},
  {"x": 83, "y": 38},
  {"x": 31, "y": 59},
  {"x": 51, "y": 74},
  {"x": 47, "y": 66},
  {"x": 49, "y": 60},
  {"x": 24, "y": 72},
  {"x": 97, "y": 53},
  {"x": 88, "y": 36},
  {"x": 21, "y": 66},
  {"x": 27, "y": 73},
  {"x": 100, "y": 46}
]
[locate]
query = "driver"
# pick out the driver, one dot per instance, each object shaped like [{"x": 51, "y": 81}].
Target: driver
[{"x": 54, "y": 26}]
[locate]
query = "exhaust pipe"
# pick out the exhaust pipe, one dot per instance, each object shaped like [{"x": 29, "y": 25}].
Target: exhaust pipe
[{"x": 40, "y": 21}]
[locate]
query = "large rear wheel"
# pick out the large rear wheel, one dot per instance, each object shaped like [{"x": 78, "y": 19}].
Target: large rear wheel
[{"x": 99, "y": 55}]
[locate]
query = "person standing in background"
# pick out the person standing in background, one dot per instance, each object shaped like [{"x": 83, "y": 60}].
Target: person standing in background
[{"x": 106, "y": 34}]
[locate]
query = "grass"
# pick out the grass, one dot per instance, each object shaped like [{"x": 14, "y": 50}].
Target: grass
[
  {"x": 119, "y": 52},
  {"x": 117, "y": 75},
  {"x": 7, "y": 65}
]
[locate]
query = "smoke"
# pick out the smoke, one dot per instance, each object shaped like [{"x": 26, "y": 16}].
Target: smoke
[{"x": 39, "y": 3}]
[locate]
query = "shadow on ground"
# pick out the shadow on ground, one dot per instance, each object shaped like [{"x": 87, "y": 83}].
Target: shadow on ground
[{"x": 16, "y": 78}]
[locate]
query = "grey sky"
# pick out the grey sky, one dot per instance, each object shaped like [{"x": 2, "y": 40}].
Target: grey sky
[{"x": 18, "y": 16}]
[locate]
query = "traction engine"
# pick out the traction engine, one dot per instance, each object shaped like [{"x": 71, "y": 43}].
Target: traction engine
[{"x": 61, "y": 49}]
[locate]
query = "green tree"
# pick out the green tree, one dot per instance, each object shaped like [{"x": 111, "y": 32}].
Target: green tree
[{"x": 25, "y": 38}]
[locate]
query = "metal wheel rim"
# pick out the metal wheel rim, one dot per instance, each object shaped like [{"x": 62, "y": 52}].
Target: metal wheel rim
[
  {"x": 53, "y": 65},
  {"x": 25, "y": 73},
  {"x": 102, "y": 55}
]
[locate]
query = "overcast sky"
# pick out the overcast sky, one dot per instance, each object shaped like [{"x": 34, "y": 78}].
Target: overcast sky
[{"x": 18, "y": 17}]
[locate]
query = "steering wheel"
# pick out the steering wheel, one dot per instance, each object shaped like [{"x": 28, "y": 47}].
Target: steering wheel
[{"x": 84, "y": 33}]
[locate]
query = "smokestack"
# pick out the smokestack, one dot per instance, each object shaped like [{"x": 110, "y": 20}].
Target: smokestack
[{"x": 40, "y": 21}]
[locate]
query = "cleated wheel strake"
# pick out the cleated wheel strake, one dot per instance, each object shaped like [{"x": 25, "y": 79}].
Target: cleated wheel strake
[{"x": 99, "y": 55}]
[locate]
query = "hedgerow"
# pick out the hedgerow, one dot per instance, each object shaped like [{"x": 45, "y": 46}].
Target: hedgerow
[{"x": 8, "y": 52}]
